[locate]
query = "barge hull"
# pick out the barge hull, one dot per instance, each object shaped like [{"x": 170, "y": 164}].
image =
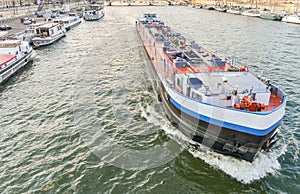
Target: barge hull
[{"x": 220, "y": 139}]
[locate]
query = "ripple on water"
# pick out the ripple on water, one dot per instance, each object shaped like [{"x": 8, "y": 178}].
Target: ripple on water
[{"x": 43, "y": 117}]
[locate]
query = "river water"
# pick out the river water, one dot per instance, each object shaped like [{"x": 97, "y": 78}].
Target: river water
[{"x": 83, "y": 118}]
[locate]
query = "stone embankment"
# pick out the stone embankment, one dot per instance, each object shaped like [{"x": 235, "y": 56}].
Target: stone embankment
[{"x": 12, "y": 17}]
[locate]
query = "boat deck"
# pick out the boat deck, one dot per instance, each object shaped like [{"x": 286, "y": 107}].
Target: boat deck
[
  {"x": 221, "y": 78},
  {"x": 275, "y": 101}
]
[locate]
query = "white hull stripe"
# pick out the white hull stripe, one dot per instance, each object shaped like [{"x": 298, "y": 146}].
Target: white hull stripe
[{"x": 224, "y": 124}]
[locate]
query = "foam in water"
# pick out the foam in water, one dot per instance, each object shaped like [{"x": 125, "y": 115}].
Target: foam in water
[{"x": 241, "y": 170}]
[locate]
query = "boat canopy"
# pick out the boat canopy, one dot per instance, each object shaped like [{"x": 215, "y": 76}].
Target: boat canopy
[
  {"x": 4, "y": 58},
  {"x": 10, "y": 43}
]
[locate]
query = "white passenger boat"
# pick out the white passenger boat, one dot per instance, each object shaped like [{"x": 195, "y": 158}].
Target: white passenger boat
[
  {"x": 68, "y": 21},
  {"x": 212, "y": 100},
  {"x": 29, "y": 32},
  {"x": 14, "y": 54},
  {"x": 251, "y": 13},
  {"x": 291, "y": 19},
  {"x": 93, "y": 12},
  {"x": 235, "y": 11},
  {"x": 48, "y": 33},
  {"x": 221, "y": 8}
]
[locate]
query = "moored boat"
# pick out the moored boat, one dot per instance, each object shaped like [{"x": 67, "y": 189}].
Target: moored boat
[
  {"x": 212, "y": 100},
  {"x": 48, "y": 33},
  {"x": 93, "y": 12},
  {"x": 221, "y": 8},
  {"x": 295, "y": 19},
  {"x": 251, "y": 13},
  {"x": 29, "y": 32},
  {"x": 14, "y": 54},
  {"x": 208, "y": 7},
  {"x": 68, "y": 21},
  {"x": 235, "y": 11},
  {"x": 271, "y": 16}
]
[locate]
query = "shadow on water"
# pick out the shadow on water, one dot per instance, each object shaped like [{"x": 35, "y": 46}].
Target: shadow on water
[{"x": 19, "y": 76}]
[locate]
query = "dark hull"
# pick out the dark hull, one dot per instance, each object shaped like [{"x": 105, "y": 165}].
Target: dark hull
[{"x": 223, "y": 140}]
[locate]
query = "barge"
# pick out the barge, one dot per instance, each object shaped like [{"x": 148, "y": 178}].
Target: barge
[{"x": 212, "y": 100}]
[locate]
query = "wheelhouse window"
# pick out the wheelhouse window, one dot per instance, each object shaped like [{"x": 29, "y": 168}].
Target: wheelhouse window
[{"x": 178, "y": 83}]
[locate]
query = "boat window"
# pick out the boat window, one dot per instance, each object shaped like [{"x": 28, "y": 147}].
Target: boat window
[
  {"x": 196, "y": 83},
  {"x": 196, "y": 63},
  {"x": 9, "y": 45},
  {"x": 181, "y": 64},
  {"x": 219, "y": 62},
  {"x": 196, "y": 96},
  {"x": 179, "y": 83}
]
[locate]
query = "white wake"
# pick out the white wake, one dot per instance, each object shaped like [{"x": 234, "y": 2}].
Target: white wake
[{"x": 266, "y": 163}]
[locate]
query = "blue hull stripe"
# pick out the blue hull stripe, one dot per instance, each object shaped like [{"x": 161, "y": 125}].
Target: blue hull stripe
[{"x": 224, "y": 124}]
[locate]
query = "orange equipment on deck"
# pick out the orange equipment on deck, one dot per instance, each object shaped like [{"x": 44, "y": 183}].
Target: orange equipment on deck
[{"x": 248, "y": 103}]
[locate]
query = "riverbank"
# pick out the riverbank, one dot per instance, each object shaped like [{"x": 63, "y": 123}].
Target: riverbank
[
  {"x": 288, "y": 7},
  {"x": 14, "y": 13},
  {"x": 16, "y": 26},
  {"x": 12, "y": 17}
]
